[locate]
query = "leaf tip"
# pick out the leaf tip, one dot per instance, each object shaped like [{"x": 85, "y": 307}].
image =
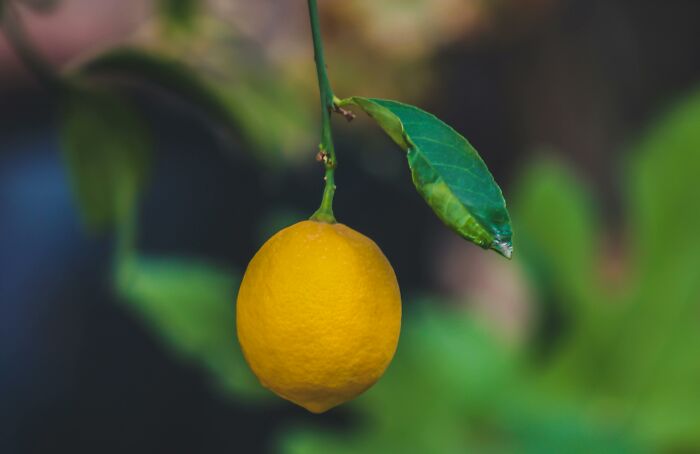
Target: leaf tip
[{"x": 505, "y": 248}]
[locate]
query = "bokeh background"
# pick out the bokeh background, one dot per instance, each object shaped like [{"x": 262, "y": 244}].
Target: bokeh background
[{"x": 117, "y": 330}]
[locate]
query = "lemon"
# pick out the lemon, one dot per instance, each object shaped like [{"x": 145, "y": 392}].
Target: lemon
[{"x": 318, "y": 314}]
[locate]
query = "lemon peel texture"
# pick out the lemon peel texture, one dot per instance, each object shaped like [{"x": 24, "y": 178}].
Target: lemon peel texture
[{"x": 318, "y": 314}]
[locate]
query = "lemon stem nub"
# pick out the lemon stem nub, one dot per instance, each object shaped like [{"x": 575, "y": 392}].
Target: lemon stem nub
[
  {"x": 327, "y": 149},
  {"x": 325, "y": 211}
]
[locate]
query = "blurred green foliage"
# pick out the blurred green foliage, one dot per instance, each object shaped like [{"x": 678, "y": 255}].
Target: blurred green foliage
[
  {"x": 107, "y": 149},
  {"x": 246, "y": 106},
  {"x": 630, "y": 353},
  {"x": 41, "y": 6},
  {"x": 189, "y": 304},
  {"x": 452, "y": 388},
  {"x": 178, "y": 15}
]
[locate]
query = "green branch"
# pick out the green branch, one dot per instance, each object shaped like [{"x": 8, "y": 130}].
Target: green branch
[{"x": 326, "y": 148}]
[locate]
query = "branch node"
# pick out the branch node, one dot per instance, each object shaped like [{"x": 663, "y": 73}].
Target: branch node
[{"x": 349, "y": 116}]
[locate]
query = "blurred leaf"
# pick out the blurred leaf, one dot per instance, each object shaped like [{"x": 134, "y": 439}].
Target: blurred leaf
[
  {"x": 272, "y": 116},
  {"x": 545, "y": 422},
  {"x": 178, "y": 14},
  {"x": 558, "y": 231},
  {"x": 663, "y": 188},
  {"x": 661, "y": 346},
  {"x": 447, "y": 171},
  {"x": 174, "y": 76},
  {"x": 42, "y": 6},
  {"x": 275, "y": 220},
  {"x": 558, "y": 236},
  {"x": 259, "y": 109},
  {"x": 191, "y": 306},
  {"x": 107, "y": 149}
]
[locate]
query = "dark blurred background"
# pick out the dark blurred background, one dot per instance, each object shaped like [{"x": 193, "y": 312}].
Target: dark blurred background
[{"x": 117, "y": 331}]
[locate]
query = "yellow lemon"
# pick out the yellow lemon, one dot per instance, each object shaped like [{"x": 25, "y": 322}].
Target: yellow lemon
[{"x": 318, "y": 314}]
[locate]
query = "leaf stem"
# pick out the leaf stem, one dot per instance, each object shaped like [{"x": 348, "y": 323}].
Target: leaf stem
[
  {"x": 13, "y": 28},
  {"x": 326, "y": 147}
]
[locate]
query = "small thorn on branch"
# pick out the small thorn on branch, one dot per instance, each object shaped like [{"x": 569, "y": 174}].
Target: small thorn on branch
[{"x": 349, "y": 116}]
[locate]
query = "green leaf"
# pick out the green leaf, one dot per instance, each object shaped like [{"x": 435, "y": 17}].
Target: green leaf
[
  {"x": 191, "y": 306},
  {"x": 447, "y": 171},
  {"x": 107, "y": 148}
]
